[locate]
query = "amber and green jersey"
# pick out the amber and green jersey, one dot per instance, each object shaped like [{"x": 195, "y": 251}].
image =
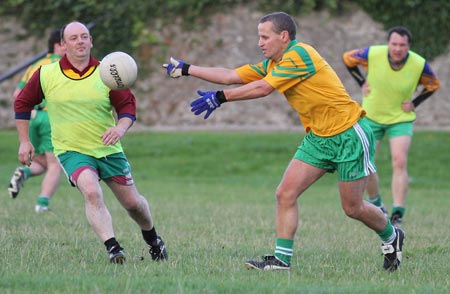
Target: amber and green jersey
[{"x": 310, "y": 86}]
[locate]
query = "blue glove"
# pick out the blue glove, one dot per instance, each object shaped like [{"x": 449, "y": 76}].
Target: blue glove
[
  {"x": 176, "y": 68},
  {"x": 208, "y": 102}
]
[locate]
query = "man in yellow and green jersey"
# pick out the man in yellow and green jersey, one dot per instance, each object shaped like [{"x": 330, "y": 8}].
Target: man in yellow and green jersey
[
  {"x": 338, "y": 137},
  {"x": 44, "y": 160},
  {"x": 394, "y": 73}
]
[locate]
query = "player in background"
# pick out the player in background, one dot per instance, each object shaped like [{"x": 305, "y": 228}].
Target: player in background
[
  {"x": 86, "y": 137},
  {"x": 394, "y": 73},
  {"x": 44, "y": 161},
  {"x": 338, "y": 137}
]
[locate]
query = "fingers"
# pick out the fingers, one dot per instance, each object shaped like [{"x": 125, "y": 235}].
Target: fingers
[
  {"x": 174, "y": 61},
  {"x": 208, "y": 113},
  {"x": 111, "y": 139},
  {"x": 25, "y": 159}
]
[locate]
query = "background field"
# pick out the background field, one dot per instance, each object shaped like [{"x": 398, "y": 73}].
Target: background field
[{"x": 212, "y": 196}]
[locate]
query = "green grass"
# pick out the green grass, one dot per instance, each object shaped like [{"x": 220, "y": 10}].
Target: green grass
[{"x": 212, "y": 197}]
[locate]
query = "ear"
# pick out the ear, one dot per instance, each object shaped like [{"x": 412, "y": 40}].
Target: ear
[{"x": 285, "y": 36}]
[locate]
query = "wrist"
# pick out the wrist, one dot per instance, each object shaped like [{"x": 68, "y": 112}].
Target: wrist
[
  {"x": 221, "y": 97},
  {"x": 185, "y": 69}
]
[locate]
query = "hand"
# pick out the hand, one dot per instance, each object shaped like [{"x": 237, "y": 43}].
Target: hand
[
  {"x": 207, "y": 102},
  {"x": 113, "y": 135},
  {"x": 176, "y": 68},
  {"x": 365, "y": 89},
  {"x": 26, "y": 153},
  {"x": 408, "y": 106}
]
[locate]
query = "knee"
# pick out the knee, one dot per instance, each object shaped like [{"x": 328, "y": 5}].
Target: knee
[
  {"x": 93, "y": 197},
  {"x": 133, "y": 203},
  {"x": 285, "y": 198},
  {"x": 399, "y": 162},
  {"x": 352, "y": 210}
]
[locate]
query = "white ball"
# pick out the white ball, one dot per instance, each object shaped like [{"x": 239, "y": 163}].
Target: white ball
[{"x": 118, "y": 70}]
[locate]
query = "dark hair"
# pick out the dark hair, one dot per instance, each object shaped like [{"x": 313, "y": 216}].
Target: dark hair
[
  {"x": 281, "y": 22},
  {"x": 402, "y": 31},
  {"x": 54, "y": 38}
]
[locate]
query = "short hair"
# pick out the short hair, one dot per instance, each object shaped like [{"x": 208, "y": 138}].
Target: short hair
[
  {"x": 281, "y": 22},
  {"x": 65, "y": 26},
  {"x": 402, "y": 31},
  {"x": 54, "y": 38}
]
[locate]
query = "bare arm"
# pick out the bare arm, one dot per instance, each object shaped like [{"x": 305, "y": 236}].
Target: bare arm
[
  {"x": 226, "y": 76},
  {"x": 114, "y": 134},
  {"x": 216, "y": 75},
  {"x": 252, "y": 90},
  {"x": 26, "y": 149}
]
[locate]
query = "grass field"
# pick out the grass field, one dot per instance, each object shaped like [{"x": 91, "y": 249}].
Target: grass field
[{"x": 212, "y": 197}]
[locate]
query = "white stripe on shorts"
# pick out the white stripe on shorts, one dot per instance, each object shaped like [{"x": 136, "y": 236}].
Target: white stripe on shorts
[{"x": 369, "y": 168}]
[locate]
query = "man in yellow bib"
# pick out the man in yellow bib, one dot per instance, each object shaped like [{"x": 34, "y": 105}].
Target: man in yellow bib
[
  {"x": 393, "y": 75},
  {"x": 86, "y": 137},
  {"x": 338, "y": 138}
]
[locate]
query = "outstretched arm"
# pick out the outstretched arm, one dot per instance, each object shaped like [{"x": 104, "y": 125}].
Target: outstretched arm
[
  {"x": 209, "y": 101},
  {"x": 219, "y": 75}
]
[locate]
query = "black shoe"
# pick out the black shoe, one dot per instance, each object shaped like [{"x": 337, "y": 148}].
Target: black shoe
[
  {"x": 396, "y": 219},
  {"x": 17, "y": 181},
  {"x": 158, "y": 250},
  {"x": 269, "y": 262},
  {"x": 116, "y": 254},
  {"x": 393, "y": 252}
]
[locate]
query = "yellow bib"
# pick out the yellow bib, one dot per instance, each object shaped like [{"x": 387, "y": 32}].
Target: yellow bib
[
  {"x": 79, "y": 111},
  {"x": 389, "y": 87}
]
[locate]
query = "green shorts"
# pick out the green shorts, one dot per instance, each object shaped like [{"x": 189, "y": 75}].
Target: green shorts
[
  {"x": 351, "y": 152},
  {"x": 392, "y": 131},
  {"x": 40, "y": 133},
  {"x": 114, "y": 166}
]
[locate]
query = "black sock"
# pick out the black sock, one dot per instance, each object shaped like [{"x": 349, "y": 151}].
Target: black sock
[
  {"x": 111, "y": 243},
  {"x": 150, "y": 236}
]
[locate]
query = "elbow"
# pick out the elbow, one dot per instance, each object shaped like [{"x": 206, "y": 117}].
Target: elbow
[{"x": 265, "y": 90}]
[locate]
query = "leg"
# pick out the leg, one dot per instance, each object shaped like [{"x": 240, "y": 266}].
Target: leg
[
  {"x": 135, "y": 204},
  {"x": 139, "y": 210},
  {"x": 399, "y": 153},
  {"x": 49, "y": 183},
  {"x": 373, "y": 188},
  {"x": 22, "y": 173},
  {"x": 52, "y": 176},
  {"x": 296, "y": 179},
  {"x": 38, "y": 165},
  {"x": 97, "y": 213},
  {"x": 373, "y": 180},
  {"x": 354, "y": 206}
]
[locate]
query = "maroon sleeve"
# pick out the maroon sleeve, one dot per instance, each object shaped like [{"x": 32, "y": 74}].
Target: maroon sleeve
[
  {"x": 30, "y": 96},
  {"x": 124, "y": 103}
]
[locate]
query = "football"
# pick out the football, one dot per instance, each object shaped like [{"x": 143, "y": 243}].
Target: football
[{"x": 118, "y": 70}]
